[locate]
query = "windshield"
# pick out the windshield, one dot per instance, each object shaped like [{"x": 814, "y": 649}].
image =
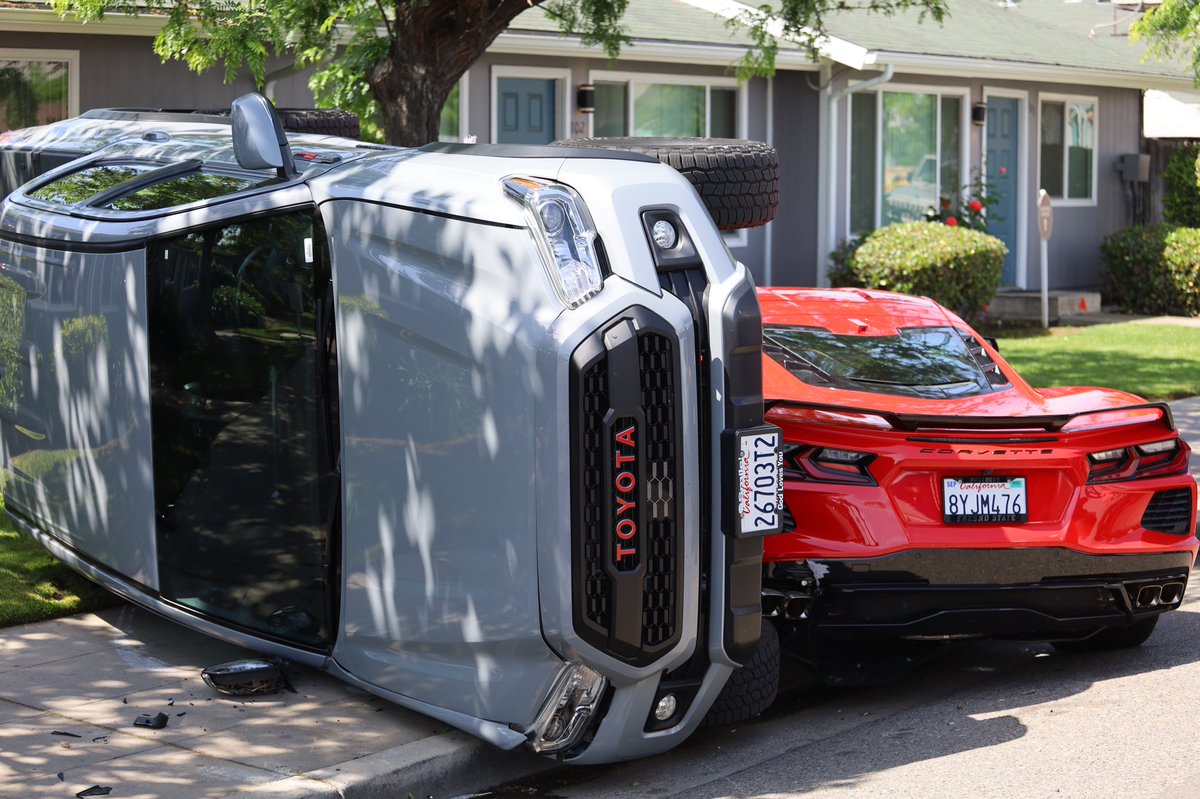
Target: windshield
[{"x": 930, "y": 362}]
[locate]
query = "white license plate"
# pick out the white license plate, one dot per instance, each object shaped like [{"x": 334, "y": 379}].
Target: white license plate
[
  {"x": 972, "y": 500},
  {"x": 760, "y": 480}
]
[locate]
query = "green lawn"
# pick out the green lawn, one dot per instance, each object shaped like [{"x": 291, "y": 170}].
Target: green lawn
[
  {"x": 34, "y": 586},
  {"x": 1157, "y": 362}
]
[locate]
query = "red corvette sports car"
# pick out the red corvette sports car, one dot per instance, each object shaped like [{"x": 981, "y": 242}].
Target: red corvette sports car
[{"x": 931, "y": 493}]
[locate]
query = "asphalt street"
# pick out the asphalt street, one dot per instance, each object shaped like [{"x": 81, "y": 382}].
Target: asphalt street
[{"x": 982, "y": 720}]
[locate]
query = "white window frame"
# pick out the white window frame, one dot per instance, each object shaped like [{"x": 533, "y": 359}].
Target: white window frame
[
  {"x": 708, "y": 82},
  {"x": 1066, "y": 100},
  {"x": 1022, "y": 243},
  {"x": 562, "y": 97},
  {"x": 69, "y": 56},
  {"x": 963, "y": 93},
  {"x": 733, "y": 238}
]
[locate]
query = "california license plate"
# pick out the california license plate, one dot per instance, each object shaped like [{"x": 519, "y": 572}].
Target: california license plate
[
  {"x": 760, "y": 480},
  {"x": 974, "y": 500}
]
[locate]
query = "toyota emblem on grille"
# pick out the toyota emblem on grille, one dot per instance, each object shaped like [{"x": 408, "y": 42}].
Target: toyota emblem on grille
[{"x": 624, "y": 482}]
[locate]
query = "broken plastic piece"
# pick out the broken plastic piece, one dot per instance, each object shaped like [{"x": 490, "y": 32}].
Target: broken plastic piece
[
  {"x": 246, "y": 677},
  {"x": 156, "y": 722},
  {"x": 95, "y": 790},
  {"x": 67, "y": 734}
]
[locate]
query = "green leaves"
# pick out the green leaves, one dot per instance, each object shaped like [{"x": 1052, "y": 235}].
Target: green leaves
[
  {"x": 1153, "y": 269},
  {"x": 1171, "y": 30},
  {"x": 1181, "y": 178},
  {"x": 959, "y": 268}
]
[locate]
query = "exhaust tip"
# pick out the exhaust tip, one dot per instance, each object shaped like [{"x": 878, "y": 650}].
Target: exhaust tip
[
  {"x": 1149, "y": 596},
  {"x": 1172, "y": 593},
  {"x": 772, "y": 603}
]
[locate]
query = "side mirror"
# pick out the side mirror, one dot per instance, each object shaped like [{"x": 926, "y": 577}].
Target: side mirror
[{"x": 258, "y": 138}]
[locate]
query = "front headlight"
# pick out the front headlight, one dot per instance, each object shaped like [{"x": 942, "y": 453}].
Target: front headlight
[
  {"x": 569, "y": 709},
  {"x": 565, "y": 236}
]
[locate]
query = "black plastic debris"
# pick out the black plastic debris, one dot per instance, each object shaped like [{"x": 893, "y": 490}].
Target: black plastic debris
[
  {"x": 250, "y": 677},
  {"x": 60, "y": 776},
  {"x": 95, "y": 790},
  {"x": 155, "y": 722},
  {"x": 65, "y": 734},
  {"x": 100, "y": 739}
]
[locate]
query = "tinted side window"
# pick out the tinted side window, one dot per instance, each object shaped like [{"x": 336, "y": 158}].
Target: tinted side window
[{"x": 243, "y": 460}]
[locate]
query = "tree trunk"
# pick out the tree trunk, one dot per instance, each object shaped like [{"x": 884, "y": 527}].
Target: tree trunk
[{"x": 433, "y": 44}]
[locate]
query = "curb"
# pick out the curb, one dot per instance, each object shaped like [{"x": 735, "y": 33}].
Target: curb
[{"x": 430, "y": 768}]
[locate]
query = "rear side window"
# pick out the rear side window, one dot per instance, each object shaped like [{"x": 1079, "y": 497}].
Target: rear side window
[
  {"x": 181, "y": 191},
  {"x": 78, "y": 187},
  {"x": 143, "y": 186},
  {"x": 928, "y": 362}
]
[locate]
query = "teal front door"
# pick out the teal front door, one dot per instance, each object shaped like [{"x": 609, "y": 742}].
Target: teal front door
[
  {"x": 525, "y": 111},
  {"x": 1003, "y": 150}
]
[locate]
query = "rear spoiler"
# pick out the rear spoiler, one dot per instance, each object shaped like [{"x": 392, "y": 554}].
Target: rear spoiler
[{"x": 911, "y": 423}]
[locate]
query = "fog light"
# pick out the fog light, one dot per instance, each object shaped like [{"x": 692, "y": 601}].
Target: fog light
[
  {"x": 568, "y": 710},
  {"x": 664, "y": 234},
  {"x": 665, "y": 707}
]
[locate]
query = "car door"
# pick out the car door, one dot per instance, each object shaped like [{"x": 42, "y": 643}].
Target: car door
[{"x": 244, "y": 419}]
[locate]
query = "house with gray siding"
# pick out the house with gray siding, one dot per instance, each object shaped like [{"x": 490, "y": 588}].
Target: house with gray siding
[{"x": 892, "y": 114}]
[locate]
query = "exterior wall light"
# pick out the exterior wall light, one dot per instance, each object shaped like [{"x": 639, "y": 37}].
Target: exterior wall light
[{"x": 585, "y": 98}]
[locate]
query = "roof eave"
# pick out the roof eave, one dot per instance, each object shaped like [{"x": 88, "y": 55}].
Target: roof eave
[
  {"x": 552, "y": 44},
  {"x": 36, "y": 20},
  {"x": 923, "y": 64}
]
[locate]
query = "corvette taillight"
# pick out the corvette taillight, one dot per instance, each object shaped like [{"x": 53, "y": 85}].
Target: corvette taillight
[
  {"x": 1155, "y": 459},
  {"x": 828, "y": 465}
]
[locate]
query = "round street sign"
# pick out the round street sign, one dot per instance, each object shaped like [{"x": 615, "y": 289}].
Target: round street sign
[{"x": 1045, "y": 215}]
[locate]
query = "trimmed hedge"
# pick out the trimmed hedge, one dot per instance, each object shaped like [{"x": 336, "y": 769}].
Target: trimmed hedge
[
  {"x": 1153, "y": 269},
  {"x": 957, "y": 267},
  {"x": 1181, "y": 179}
]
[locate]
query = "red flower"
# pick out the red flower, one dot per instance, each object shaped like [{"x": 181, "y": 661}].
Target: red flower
[
  {"x": 975, "y": 206},
  {"x": 945, "y": 203},
  {"x": 951, "y": 221}
]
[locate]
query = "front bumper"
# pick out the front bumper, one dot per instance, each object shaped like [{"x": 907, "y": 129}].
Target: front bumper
[{"x": 1043, "y": 593}]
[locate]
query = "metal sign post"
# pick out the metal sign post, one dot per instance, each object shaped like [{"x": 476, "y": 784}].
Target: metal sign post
[{"x": 1045, "y": 225}]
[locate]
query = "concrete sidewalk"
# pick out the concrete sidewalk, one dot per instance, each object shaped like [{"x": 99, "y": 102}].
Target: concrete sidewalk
[{"x": 90, "y": 676}]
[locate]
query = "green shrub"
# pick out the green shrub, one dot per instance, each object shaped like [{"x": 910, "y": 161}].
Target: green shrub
[
  {"x": 957, "y": 267},
  {"x": 1153, "y": 269},
  {"x": 1181, "y": 184}
]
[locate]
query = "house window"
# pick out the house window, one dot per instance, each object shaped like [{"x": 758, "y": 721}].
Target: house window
[
  {"x": 37, "y": 87},
  {"x": 1067, "y": 142},
  {"x": 636, "y": 105},
  {"x": 905, "y": 154},
  {"x": 448, "y": 125}
]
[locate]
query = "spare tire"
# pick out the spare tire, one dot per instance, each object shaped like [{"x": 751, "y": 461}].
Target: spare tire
[
  {"x": 738, "y": 180},
  {"x": 322, "y": 121}
]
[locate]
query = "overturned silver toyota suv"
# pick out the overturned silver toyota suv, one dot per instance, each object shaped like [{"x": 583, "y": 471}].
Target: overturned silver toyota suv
[{"x": 477, "y": 429}]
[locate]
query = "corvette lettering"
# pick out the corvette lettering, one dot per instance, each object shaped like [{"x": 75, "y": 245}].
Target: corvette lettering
[{"x": 625, "y": 526}]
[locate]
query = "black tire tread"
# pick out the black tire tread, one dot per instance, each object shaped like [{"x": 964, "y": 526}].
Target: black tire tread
[
  {"x": 752, "y": 688},
  {"x": 738, "y": 180},
  {"x": 322, "y": 121}
]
